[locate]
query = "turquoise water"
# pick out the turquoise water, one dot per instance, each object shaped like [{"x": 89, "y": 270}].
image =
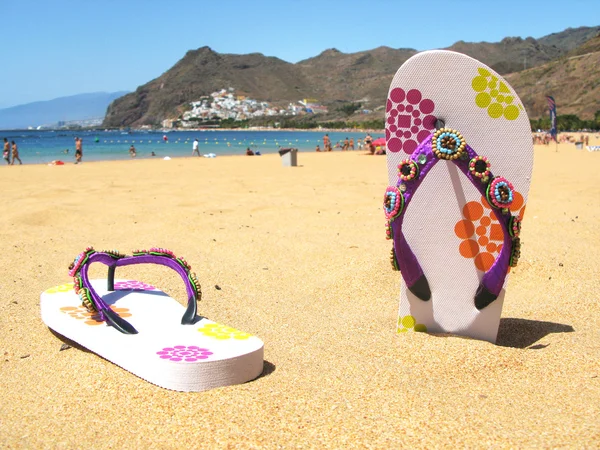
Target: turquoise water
[{"x": 39, "y": 147}]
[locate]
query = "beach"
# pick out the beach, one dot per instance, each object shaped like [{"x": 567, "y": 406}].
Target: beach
[{"x": 298, "y": 257}]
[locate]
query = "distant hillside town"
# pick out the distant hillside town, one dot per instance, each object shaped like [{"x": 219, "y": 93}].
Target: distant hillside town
[{"x": 225, "y": 104}]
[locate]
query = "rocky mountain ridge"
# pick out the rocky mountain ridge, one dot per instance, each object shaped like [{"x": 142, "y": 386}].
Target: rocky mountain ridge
[{"x": 336, "y": 78}]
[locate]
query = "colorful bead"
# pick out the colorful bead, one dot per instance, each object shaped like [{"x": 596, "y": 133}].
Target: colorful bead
[
  {"x": 184, "y": 263},
  {"x": 113, "y": 254},
  {"x": 86, "y": 300},
  {"x": 515, "y": 252},
  {"x": 393, "y": 202},
  {"x": 408, "y": 170},
  {"x": 514, "y": 226},
  {"x": 500, "y": 193},
  {"x": 448, "y": 144},
  {"x": 422, "y": 158},
  {"x": 161, "y": 252},
  {"x": 80, "y": 260},
  {"x": 196, "y": 285},
  {"x": 389, "y": 233},
  {"x": 480, "y": 168},
  {"x": 394, "y": 260},
  {"x": 77, "y": 284}
]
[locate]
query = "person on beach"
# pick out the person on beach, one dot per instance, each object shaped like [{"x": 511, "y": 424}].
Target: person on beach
[
  {"x": 6, "y": 154},
  {"x": 195, "y": 148},
  {"x": 78, "y": 150},
  {"x": 351, "y": 144},
  {"x": 249, "y": 152},
  {"x": 132, "y": 151},
  {"x": 318, "y": 149},
  {"x": 15, "y": 153},
  {"x": 326, "y": 143},
  {"x": 368, "y": 140},
  {"x": 369, "y": 143},
  {"x": 346, "y": 145}
]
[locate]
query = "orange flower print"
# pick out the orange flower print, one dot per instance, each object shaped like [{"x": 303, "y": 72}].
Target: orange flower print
[
  {"x": 92, "y": 318},
  {"x": 481, "y": 234}
]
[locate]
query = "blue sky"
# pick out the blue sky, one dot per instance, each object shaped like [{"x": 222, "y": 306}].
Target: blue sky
[{"x": 57, "y": 48}]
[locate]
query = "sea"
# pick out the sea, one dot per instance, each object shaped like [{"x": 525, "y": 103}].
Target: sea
[{"x": 45, "y": 146}]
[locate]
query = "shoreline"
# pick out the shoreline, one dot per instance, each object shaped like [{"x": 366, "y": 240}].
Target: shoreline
[{"x": 594, "y": 141}]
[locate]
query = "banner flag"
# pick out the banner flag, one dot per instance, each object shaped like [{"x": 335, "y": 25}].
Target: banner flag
[{"x": 552, "y": 107}]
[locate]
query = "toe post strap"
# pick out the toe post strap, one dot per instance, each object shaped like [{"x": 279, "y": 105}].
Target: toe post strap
[
  {"x": 113, "y": 259},
  {"x": 449, "y": 145}
]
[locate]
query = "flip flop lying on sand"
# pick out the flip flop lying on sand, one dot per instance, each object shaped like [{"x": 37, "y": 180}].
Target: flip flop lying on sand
[
  {"x": 460, "y": 157},
  {"x": 143, "y": 330}
]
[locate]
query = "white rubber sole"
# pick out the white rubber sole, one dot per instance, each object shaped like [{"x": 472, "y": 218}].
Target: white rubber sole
[{"x": 186, "y": 358}]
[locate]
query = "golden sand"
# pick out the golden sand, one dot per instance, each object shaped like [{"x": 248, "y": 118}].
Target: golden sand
[{"x": 302, "y": 262}]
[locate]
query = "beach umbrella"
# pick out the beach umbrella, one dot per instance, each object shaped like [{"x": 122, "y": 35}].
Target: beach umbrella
[{"x": 380, "y": 142}]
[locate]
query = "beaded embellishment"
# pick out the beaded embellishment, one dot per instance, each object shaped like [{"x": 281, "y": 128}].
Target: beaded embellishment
[
  {"x": 81, "y": 259},
  {"x": 86, "y": 300},
  {"x": 499, "y": 193},
  {"x": 448, "y": 144},
  {"x": 408, "y": 170},
  {"x": 515, "y": 252},
  {"x": 394, "y": 260},
  {"x": 157, "y": 251},
  {"x": 393, "y": 202},
  {"x": 480, "y": 168},
  {"x": 114, "y": 254},
  {"x": 514, "y": 227},
  {"x": 389, "y": 233}
]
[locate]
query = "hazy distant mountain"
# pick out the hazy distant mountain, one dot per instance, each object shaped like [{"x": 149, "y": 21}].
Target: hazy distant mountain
[
  {"x": 50, "y": 112},
  {"x": 335, "y": 78},
  {"x": 570, "y": 38}
]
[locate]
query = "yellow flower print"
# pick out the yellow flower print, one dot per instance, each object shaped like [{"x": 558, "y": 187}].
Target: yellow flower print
[
  {"x": 57, "y": 289},
  {"x": 408, "y": 323},
  {"x": 494, "y": 95},
  {"x": 222, "y": 332}
]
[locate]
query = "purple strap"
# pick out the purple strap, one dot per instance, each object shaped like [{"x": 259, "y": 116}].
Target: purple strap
[
  {"x": 113, "y": 259},
  {"x": 411, "y": 270}
]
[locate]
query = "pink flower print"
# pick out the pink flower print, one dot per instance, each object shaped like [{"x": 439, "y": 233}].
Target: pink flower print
[
  {"x": 133, "y": 285},
  {"x": 409, "y": 120},
  {"x": 184, "y": 353}
]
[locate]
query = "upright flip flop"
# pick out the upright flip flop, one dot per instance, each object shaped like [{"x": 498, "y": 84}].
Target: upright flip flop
[
  {"x": 143, "y": 330},
  {"x": 460, "y": 157}
]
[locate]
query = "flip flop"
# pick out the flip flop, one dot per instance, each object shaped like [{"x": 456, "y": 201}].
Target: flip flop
[
  {"x": 460, "y": 157},
  {"x": 143, "y": 330}
]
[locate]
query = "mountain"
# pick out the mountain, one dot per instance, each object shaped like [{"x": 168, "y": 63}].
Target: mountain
[
  {"x": 335, "y": 78},
  {"x": 573, "y": 81},
  {"x": 570, "y": 38},
  {"x": 50, "y": 112},
  {"x": 590, "y": 46},
  {"x": 509, "y": 55},
  {"x": 358, "y": 77},
  {"x": 203, "y": 71}
]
